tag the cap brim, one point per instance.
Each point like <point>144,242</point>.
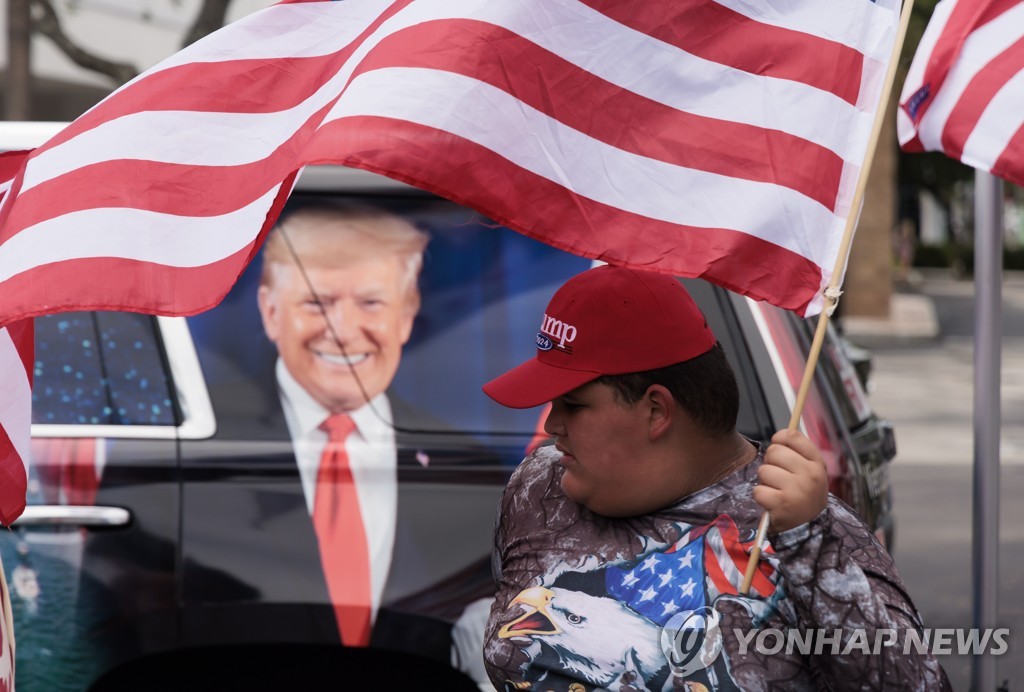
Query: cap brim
<point>534,383</point>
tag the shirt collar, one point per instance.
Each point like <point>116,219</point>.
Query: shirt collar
<point>373,420</point>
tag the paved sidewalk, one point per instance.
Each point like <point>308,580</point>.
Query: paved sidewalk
<point>923,382</point>
<point>928,393</point>
<point>911,319</point>
<point>914,320</point>
<point>923,375</point>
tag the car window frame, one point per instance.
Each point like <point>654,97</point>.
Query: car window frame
<point>186,384</point>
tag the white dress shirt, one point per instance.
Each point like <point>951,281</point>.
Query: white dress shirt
<point>372,456</point>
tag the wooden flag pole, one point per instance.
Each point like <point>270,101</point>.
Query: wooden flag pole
<point>832,292</point>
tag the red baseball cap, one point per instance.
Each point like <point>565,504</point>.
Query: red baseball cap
<point>606,321</point>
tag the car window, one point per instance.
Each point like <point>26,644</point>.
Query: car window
<point>100,368</point>
<point>483,290</point>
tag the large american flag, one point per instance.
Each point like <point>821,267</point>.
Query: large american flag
<point>714,138</point>
<point>964,93</point>
<point>702,138</point>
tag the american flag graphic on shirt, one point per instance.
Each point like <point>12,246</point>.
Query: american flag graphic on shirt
<point>705,563</point>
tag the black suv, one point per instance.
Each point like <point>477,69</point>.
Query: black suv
<point>167,543</point>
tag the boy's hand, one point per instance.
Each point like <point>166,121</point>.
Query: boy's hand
<point>794,482</point>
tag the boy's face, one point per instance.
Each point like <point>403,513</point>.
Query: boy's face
<point>602,440</point>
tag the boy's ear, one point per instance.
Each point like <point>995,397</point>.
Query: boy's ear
<point>662,410</point>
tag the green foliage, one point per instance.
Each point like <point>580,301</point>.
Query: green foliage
<point>960,258</point>
<point>933,256</point>
<point>1013,259</point>
<point>933,171</point>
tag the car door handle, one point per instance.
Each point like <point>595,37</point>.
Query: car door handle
<point>74,515</point>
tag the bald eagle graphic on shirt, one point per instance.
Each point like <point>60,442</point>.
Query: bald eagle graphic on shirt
<point>605,626</point>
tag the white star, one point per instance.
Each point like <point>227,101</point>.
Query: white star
<point>670,607</point>
<point>651,563</point>
<point>647,594</point>
<point>630,579</point>
<point>687,588</point>
<point>666,577</point>
<point>686,560</point>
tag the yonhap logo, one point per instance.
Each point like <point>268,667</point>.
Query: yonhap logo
<point>691,641</point>
<point>543,343</point>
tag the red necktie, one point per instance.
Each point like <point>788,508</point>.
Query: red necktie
<point>339,530</point>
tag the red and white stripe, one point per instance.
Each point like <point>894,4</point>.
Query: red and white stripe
<point>702,138</point>
<point>10,163</point>
<point>725,562</point>
<point>69,468</point>
<point>16,352</point>
<point>964,93</point>
<point>16,348</point>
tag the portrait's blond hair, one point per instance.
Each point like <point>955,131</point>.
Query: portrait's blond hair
<point>337,237</point>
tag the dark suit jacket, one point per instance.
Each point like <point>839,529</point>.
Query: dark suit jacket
<point>241,511</point>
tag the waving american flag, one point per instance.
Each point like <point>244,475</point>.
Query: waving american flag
<point>964,93</point>
<point>714,138</point>
<point>699,137</point>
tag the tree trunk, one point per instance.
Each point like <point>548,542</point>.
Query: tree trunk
<point>211,17</point>
<point>18,96</point>
<point>48,24</point>
<point>867,288</point>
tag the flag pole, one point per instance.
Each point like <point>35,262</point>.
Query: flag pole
<point>988,273</point>
<point>832,292</point>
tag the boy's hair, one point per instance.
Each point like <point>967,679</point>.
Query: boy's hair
<point>705,386</point>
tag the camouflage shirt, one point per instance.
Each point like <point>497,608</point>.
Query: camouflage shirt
<point>587,602</point>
